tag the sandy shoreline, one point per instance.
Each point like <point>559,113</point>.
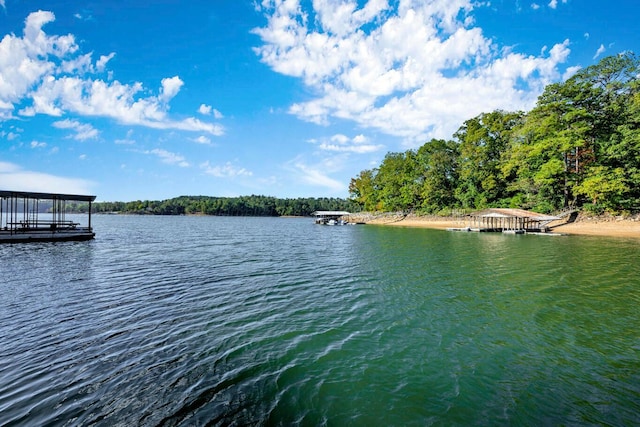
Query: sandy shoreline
<point>591,227</point>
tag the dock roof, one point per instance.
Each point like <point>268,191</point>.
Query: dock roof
<point>330,213</point>
<point>47,196</point>
<point>512,213</point>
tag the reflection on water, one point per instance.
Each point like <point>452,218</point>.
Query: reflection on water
<point>201,320</point>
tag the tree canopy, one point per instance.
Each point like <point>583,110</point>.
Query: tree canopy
<point>579,146</point>
<point>223,206</point>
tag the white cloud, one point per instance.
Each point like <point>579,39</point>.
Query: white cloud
<point>101,64</point>
<point>15,178</point>
<point>228,170</point>
<point>415,70</point>
<point>600,51</point>
<point>202,140</point>
<point>84,16</point>
<point>115,100</point>
<point>170,88</point>
<point>168,157</point>
<point>205,110</point>
<point>83,131</point>
<point>38,144</point>
<point>9,135</point>
<point>22,60</point>
<point>554,3</point>
<point>45,74</point>
<point>6,167</point>
<point>570,72</point>
<point>341,143</point>
<point>535,6</point>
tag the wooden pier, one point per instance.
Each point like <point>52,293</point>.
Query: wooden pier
<point>37,217</point>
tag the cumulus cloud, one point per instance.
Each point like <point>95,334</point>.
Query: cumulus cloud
<point>600,51</point>
<point>228,170</point>
<point>205,110</point>
<point>341,143</point>
<point>82,131</point>
<point>170,88</point>
<point>46,74</point>
<point>415,69</point>
<point>18,179</point>
<point>208,110</point>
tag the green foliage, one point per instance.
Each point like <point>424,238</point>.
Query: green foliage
<point>363,191</point>
<point>228,206</point>
<point>579,145</point>
<point>482,140</point>
<point>593,209</point>
<point>397,182</point>
<point>437,161</point>
<point>604,185</point>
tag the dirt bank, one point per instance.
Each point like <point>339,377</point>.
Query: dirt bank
<point>584,225</point>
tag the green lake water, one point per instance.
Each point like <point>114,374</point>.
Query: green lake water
<point>268,321</point>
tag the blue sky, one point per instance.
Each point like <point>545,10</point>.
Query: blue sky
<point>144,100</point>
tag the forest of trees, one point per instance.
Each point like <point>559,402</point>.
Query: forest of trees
<point>579,146</point>
<point>223,206</point>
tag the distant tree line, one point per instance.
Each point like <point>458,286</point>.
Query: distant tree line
<point>222,206</point>
<point>579,146</point>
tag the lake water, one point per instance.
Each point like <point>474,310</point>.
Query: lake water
<point>274,321</point>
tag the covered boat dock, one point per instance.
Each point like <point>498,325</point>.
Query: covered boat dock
<point>508,220</point>
<point>331,217</point>
<point>37,217</point>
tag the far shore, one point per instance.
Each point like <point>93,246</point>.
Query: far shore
<point>591,226</point>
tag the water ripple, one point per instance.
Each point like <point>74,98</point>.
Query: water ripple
<point>281,322</point>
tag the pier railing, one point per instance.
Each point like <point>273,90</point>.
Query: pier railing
<point>41,224</point>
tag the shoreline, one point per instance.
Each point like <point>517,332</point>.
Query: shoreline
<point>609,227</point>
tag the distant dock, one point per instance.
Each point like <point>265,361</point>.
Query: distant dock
<point>40,217</point>
<point>331,217</point>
